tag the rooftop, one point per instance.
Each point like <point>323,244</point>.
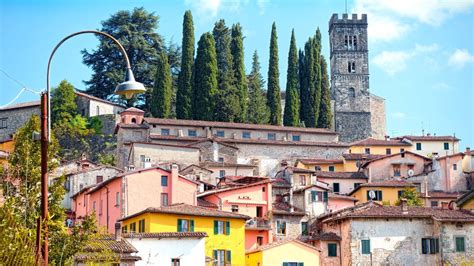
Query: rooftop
<point>94,250</point>
<point>379,142</point>
<point>21,105</point>
<point>320,161</point>
<point>465,198</point>
<point>245,182</point>
<point>284,208</point>
<point>341,175</point>
<point>361,156</point>
<point>386,183</point>
<point>429,138</point>
<point>185,209</point>
<point>166,235</point>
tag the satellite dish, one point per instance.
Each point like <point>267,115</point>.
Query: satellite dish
<point>371,194</point>
<point>411,172</point>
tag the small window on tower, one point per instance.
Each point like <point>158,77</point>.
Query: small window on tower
<point>351,67</point>
<point>355,42</point>
<point>345,42</point>
<point>352,93</point>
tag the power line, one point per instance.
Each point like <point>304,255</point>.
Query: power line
<point>24,88</point>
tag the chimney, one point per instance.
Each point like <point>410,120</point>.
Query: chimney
<point>174,183</point>
<point>387,137</point>
<point>428,134</point>
<point>468,151</point>
<point>404,206</point>
<point>118,231</point>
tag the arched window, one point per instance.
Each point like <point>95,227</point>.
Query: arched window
<point>98,110</point>
<point>134,121</point>
<point>352,93</point>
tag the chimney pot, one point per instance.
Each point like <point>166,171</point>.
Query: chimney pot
<point>118,231</point>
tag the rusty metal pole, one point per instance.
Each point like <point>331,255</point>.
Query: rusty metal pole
<point>44,176</point>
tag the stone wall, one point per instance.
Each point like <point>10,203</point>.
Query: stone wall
<point>448,231</point>
<point>211,151</point>
<point>16,118</point>
<point>124,137</point>
<point>378,117</point>
<point>293,226</point>
<point>353,125</point>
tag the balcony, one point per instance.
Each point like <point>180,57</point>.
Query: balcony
<point>258,224</point>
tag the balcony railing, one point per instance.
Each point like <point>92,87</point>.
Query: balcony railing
<point>258,224</point>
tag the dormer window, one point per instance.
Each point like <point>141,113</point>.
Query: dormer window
<point>134,121</point>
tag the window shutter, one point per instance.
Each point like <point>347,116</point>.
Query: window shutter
<point>191,225</point>
<point>216,229</point>
<point>381,197</point>
<point>300,263</point>
<point>215,254</point>
<point>368,197</point>
<point>424,246</point>
<point>432,246</point>
<point>228,256</point>
<point>314,196</point>
<point>437,244</point>
<point>285,263</point>
<point>180,228</point>
<point>227,228</point>
<point>325,196</point>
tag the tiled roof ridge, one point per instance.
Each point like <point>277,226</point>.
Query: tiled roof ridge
<point>166,235</point>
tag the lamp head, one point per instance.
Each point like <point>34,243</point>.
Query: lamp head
<point>129,87</point>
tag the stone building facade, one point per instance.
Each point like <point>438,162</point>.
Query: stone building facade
<point>15,116</point>
<point>357,113</point>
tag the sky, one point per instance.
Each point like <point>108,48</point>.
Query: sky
<point>421,52</point>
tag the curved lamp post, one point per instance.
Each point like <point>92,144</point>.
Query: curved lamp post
<point>128,88</point>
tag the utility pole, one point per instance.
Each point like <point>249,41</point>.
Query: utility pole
<point>44,178</point>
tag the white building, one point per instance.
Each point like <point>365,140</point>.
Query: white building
<point>169,248</point>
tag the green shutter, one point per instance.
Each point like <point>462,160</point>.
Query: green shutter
<point>215,254</point>
<point>365,246</point>
<point>325,196</point>
<point>313,196</point>
<point>228,256</point>
<point>180,227</point>
<point>460,244</point>
<point>368,197</point>
<point>285,263</point>
<point>300,263</point>
<point>191,225</point>
<point>332,250</point>
<point>381,197</point>
<point>216,229</point>
<point>437,244</point>
<point>227,228</point>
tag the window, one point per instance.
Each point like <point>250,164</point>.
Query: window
<point>259,240</point>
<point>98,110</point>
<point>271,136</point>
<point>293,263</point>
<point>93,205</point>
<point>429,245</point>
<point>367,150</point>
<point>99,179</point>
<point>3,123</point>
<point>418,146</point>
<point>316,196</point>
<point>259,211</point>
<point>185,225</point>
<point>124,229</point>
<point>388,151</point>
<point>356,185</point>
<point>296,138</point>
<point>221,173</point>
<point>304,228</point>
<point>263,189</point>
<point>192,133</point>
<point>302,180</point>
<point>117,199</point>
<point>460,243</point>
<point>400,193</point>
<point>134,120</point>
<point>335,187</point>
<point>378,195</point>
<point>235,208</point>
<point>317,168</point>
<point>164,181</point>
<point>351,67</point>
<point>434,204</point>
<point>332,250</point>
<point>365,244</point>
<point>133,228</point>
<point>141,226</point>
<point>455,167</point>
<point>165,132</point>
<point>352,93</point>
<point>331,168</point>
<point>396,170</point>
<point>222,257</point>
<point>164,199</point>
<point>246,135</point>
<point>221,227</point>
<point>175,262</point>
<point>281,227</point>
<point>446,146</point>
<point>220,159</point>
<point>220,133</point>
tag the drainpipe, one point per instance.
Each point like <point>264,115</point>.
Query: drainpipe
<point>107,204</point>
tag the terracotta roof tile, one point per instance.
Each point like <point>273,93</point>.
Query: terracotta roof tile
<point>204,203</point>
<point>233,186</point>
<point>281,183</point>
<point>379,142</point>
<point>88,96</point>
<point>21,105</point>
<point>325,236</point>
<point>342,197</point>
<point>429,138</point>
<point>166,235</point>
<point>185,209</point>
<point>341,175</point>
<point>133,109</point>
<point>283,208</point>
<point>465,197</point>
<point>109,242</point>
<point>320,161</point>
<point>441,194</point>
<point>384,183</point>
<point>361,156</point>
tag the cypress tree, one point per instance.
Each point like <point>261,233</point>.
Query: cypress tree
<point>325,112</point>
<point>273,91</point>
<point>227,106</point>
<point>301,88</point>
<point>292,106</point>
<point>205,79</point>
<point>308,86</point>
<point>185,92</point>
<point>162,89</point>
<point>238,66</point>
<point>258,112</point>
<point>316,96</point>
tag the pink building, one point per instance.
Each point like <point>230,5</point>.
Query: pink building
<point>131,192</point>
<point>337,202</point>
<point>250,196</point>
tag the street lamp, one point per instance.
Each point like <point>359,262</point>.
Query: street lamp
<point>128,88</point>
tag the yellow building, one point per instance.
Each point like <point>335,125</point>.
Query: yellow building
<point>388,191</point>
<point>329,165</point>
<point>376,146</point>
<point>466,201</point>
<point>286,252</point>
<point>226,230</point>
<point>6,147</point>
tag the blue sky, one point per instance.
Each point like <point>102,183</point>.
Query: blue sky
<point>420,52</point>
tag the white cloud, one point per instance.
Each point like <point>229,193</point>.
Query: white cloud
<point>211,8</point>
<point>393,62</point>
<point>386,17</point>
<point>261,5</point>
<point>460,57</point>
